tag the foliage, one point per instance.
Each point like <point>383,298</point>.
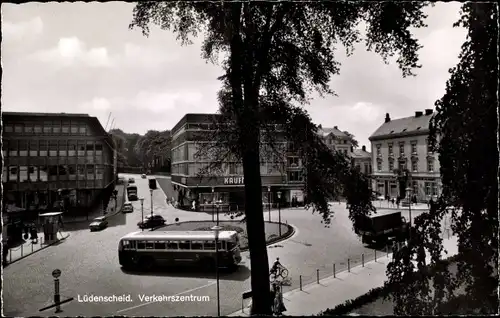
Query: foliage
<point>464,132</point>
<point>129,156</point>
<point>153,144</point>
<point>276,54</point>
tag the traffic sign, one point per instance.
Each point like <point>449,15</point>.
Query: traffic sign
<point>56,273</point>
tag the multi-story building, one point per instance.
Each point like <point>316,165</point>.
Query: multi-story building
<point>336,139</point>
<point>362,159</point>
<point>402,145</point>
<point>282,175</point>
<point>55,159</point>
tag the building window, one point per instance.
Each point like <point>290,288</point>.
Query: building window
<point>379,165</point>
<point>47,128</point>
<point>44,148</point>
<point>429,148</point>
<point>13,149</point>
<point>379,152</point>
<point>52,172</point>
<point>430,165</point>
<point>293,161</point>
<point>402,165</point>
<point>53,148</point>
<point>44,173</point>
<point>413,147</point>
<point>415,188</point>
<point>81,148</point>
<point>28,129</point>
<point>90,171</point>
<point>391,165</point>
<point>23,173</point>
<point>13,173</point>
<point>33,148</point>
<point>5,148</point>
<point>33,173</point>
<point>414,166</point>
<point>65,127</point>
<point>72,146</point>
<point>37,129</point>
<point>83,130</point>
<point>62,172</point>
<point>74,128</point>
<point>8,128</point>
<point>428,189</point>
<point>56,128</point>
<point>391,149</point>
<point>401,149</point>
<point>99,172</point>
<point>23,148</point>
<point>72,172</point>
<point>63,148</point>
<point>18,128</point>
<point>233,168</point>
<point>434,188</point>
<point>295,176</point>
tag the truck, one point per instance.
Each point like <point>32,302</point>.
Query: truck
<point>379,229</point>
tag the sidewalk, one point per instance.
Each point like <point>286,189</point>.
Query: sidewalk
<point>333,291</point>
<point>27,248</point>
<point>389,206</point>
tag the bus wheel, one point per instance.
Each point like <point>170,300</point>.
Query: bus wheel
<point>146,263</point>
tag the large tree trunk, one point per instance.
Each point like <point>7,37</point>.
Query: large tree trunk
<point>256,231</point>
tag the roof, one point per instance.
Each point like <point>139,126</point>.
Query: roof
<point>193,118</point>
<point>403,126</point>
<point>43,114</point>
<point>179,235</point>
<point>324,132</point>
<point>360,153</point>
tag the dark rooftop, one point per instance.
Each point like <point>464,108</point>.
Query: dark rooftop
<point>335,131</point>
<point>43,114</point>
<point>360,153</point>
<point>403,126</point>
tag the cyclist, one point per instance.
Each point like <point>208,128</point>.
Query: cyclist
<point>277,265</point>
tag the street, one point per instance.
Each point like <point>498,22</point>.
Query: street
<point>89,265</point>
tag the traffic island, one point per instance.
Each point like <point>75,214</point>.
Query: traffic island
<point>272,230</point>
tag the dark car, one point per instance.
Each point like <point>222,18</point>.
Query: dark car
<point>151,221</point>
<point>98,224</point>
<point>131,180</point>
<point>143,176</point>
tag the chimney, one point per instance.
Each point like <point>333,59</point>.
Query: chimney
<point>335,127</point>
<point>364,148</point>
<point>418,114</point>
<point>387,118</point>
<point>428,112</point>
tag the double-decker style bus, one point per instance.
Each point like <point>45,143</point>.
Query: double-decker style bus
<point>132,193</point>
<point>145,250</point>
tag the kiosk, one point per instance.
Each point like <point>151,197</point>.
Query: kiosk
<point>51,223</point>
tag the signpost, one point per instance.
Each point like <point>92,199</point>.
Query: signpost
<point>56,273</point>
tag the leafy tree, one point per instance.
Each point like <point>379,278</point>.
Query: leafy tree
<point>464,132</point>
<point>152,145</point>
<point>275,55</point>
<point>128,149</point>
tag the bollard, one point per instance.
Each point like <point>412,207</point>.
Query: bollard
<point>300,282</point>
<point>334,271</point>
<point>10,257</point>
<point>22,250</point>
<point>363,260</point>
<point>349,265</point>
<point>317,276</point>
<point>32,247</point>
<point>375,255</point>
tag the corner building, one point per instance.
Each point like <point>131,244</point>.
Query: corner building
<point>403,144</point>
<point>284,175</point>
<point>53,160</point>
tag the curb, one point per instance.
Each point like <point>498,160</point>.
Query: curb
<point>118,210</point>
<point>287,235</point>
<point>40,249</point>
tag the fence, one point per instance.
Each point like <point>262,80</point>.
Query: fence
<point>314,275</point>
<point>27,248</point>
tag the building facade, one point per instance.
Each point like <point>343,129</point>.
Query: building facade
<point>402,144</point>
<point>53,160</point>
<point>336,140</point>
<point>362,159</point>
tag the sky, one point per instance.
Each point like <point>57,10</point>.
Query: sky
<point>83,58</point>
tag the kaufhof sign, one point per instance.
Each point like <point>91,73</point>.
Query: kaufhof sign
<point>234,180</point>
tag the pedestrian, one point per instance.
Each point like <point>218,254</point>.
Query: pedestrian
<point>193,206</point>
<point>392,202</point>
<point>168,201</point>
<point>397,203</point>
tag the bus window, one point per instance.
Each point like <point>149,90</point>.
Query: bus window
<point>220,245</point>
<point>141,245</point>
<point>160,245</point>
<point>150,245</point>
<point>172,245</point>
<point>231,245</point>
<point>209,245</point>
<point>184,245</point>
<point>196,245</point>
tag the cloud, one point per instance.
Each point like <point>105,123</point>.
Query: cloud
<point>97,104</point>
<point>19,31</point>
<point>159,102</point>
<point>72,51</point>
<point>144,56</point>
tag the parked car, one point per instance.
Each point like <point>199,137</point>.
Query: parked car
<point>131,180</point>
<point>143,176</point>
<point>151,221</point>
<point>98,224</point>
<point>127,207</point>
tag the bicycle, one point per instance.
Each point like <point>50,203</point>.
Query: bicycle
<point>279,272</point>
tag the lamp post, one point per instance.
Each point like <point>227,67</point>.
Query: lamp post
<point>218,205</point>
<point>279,210</point>
<point>151,192</point>
<point>59,191</point>
<point>217,229</point>
<point>142,211</point>
<point>213,203</point>
<point>269,201</point>
<point>408,195</point>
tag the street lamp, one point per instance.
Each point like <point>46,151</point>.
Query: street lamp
<point>59,191</point>
<point>217,204</point>
<point>279,210</point>
<point>217,229</point>
<point>151,191</point>
<point>408,195</point>
<point>213,202</point>
<point>142,211</point>
<point>269,201</point>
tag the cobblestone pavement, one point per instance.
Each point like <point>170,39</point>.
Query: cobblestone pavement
<point>89,265</point>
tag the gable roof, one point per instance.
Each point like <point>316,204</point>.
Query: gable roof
<point>360,153</point>
<point>403,126</point>
<point>324,132</point>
